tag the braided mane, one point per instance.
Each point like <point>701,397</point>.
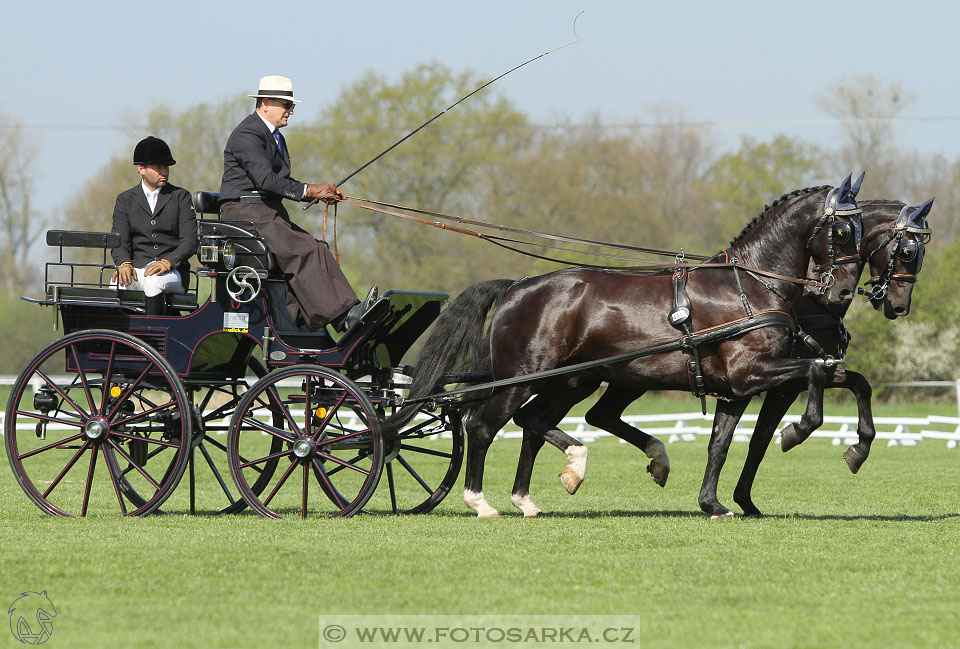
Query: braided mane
<point>769,208</point>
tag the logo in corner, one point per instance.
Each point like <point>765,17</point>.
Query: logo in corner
<point>31,618</point>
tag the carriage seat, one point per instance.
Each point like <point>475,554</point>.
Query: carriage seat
<point>206,202</point>
<point>72,289</point>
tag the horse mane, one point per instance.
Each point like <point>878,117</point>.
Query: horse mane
<point>777,203</point>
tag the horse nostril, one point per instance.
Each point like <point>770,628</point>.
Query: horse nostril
<point>846,295</point>
<point>900,311</point>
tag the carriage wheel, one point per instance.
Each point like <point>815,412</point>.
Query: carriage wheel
<point>90,394</point>
<point>423,462</point>
<point>331,449</point>
<point>207,468</point>
<point>215,405</point>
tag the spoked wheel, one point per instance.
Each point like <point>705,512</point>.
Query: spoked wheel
<point>423,462</point>
<point>211,486</point>
<point>90,395</point>
<point>331,450</point>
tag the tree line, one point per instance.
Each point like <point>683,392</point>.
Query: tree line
<point>663,186</point>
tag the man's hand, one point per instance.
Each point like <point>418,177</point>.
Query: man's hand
<point>124,275</point>
<point>158,268</point>
<point>325,192</point>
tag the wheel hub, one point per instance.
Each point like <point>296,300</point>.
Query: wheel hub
<point>304,447</point>
<point>96,428</point>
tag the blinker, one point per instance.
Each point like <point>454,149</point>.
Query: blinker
<point>841,232</point>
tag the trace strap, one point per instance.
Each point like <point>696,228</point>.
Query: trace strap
<point>722,332</point>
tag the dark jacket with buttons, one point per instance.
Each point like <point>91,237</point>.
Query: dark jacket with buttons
<point>170,232</point>
<point>252,162</point>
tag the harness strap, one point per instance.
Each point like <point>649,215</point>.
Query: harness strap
<point>726,331</point>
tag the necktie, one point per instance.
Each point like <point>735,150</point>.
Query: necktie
<point>279,140</point>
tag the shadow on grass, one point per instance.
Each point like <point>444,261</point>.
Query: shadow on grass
<point>882,518</point>
<point>614,513</point>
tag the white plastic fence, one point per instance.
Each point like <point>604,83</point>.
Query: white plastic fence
<point>686,426</point>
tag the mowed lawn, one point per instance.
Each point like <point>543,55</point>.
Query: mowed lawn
<point>871,560</point>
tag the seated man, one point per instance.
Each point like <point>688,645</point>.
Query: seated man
<point>157,228</point>
<point>256,179</point>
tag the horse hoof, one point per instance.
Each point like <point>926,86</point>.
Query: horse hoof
<point>570,480</point>
<point>721,517</point>
<point>753,515</point>
<point>789,437</point>
<point>659,471</point>
<point>493,514</point>
<point>526,505</point>
<point>854,459</point>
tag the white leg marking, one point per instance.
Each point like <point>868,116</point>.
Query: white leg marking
<point>479,504</point>
<point>524,504</point>
<point>576,471</point>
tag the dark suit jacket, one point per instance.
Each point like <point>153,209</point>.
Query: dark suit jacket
<point>169,233</point>
<point>252,161</point>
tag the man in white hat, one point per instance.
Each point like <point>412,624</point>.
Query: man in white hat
<point>256,179</point>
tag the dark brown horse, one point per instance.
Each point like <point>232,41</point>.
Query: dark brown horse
<point>893,241</point>
<point>579,315</point>
<point>893,245</point>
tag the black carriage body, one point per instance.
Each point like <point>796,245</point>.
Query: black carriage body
<point>263,398</point>
<point>216,340</point>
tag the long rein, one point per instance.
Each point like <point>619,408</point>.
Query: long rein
<point>511,244</point>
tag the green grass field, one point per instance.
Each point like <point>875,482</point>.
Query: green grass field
<point>871,560</point>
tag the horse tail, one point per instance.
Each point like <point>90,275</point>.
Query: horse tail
<point>456,344</point>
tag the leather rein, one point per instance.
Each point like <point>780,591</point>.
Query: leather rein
<point>510,244</point>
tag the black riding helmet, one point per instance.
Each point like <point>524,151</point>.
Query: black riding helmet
<point>153,151</point>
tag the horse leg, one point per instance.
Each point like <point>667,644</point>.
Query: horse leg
<point>725,420</point>
<point>520,497</point>
<point>539,419</point>
<point>482,427</point>
<point>606,414</point>
<point>812,418</point>
<point>857,454</point>
<point>775,406</point>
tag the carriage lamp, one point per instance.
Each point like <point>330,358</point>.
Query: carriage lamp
<point>115,391</point>
<point>45,400</point>
<point>229,255</point>
<point>321,412</point>
<point>209,254</point>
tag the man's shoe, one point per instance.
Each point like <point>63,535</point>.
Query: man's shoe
<point>357,311</point>
<point>372,296</point>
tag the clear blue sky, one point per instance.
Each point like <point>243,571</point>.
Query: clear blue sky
<point>70,71</point>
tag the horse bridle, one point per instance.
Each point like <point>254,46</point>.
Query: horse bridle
<point>909,251</point>
<point>840,233</point>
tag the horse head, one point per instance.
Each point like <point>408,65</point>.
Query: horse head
<point>834,245</point>
<point>895,255</point>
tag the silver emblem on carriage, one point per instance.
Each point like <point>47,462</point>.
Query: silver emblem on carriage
<point>679,315</point>
<point>277,356</point>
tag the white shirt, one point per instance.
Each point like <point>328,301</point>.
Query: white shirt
<point>151,196</point>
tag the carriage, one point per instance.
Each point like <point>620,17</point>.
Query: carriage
<point>222,388</point>
<point>290,422</point>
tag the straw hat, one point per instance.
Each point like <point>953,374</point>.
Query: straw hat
<point>276,87</point>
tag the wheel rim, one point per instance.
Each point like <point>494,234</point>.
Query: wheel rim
<point>331,450</point>
<point>93,420</point>
<point>425,457</point>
